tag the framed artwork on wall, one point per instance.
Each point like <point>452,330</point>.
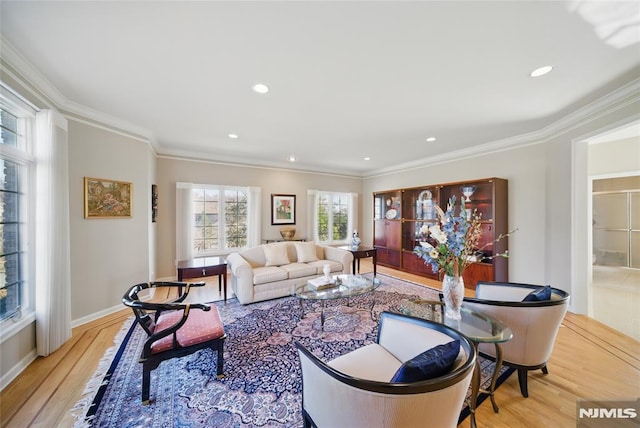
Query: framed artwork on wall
<point>105,198</point>
<point>283,209</point>
<point>154,202</point>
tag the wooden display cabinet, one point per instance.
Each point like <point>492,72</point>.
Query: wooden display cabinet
<point>396,234</point>
<point>387,236</point>
<point>419,208</point>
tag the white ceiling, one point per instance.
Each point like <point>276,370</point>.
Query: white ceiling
<point>347,79</point>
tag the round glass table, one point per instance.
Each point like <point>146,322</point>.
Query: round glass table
<point>341,287</point>
<point>478,327</point>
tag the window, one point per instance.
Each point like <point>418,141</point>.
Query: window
<point>334,217</point>
<point>219,218</point>
<point>15,166</point>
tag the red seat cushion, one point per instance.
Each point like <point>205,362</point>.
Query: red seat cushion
<point>201,326</point>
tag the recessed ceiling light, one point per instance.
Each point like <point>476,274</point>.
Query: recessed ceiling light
<point>260,88</point>
<point>430,139</point>
<point>233,136</point>
<point>367,158</point>
<point>541,71</point>
<point>292,158</point>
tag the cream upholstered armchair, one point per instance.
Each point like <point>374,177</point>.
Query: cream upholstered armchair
<point>356,389</point>
<point>534,322</point>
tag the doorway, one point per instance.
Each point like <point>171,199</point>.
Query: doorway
<point>615,283</point>
<point>606,250</point>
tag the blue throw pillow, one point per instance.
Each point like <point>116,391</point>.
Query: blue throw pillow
<point>540,293</point>
<point>432,363</point>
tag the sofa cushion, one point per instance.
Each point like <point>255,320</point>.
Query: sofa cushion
<point>276,254</point>
<point>432,363</point>
<point>298,270</point>
<point>266,274</point>
<point>306,252</point>
<point>319,265</point>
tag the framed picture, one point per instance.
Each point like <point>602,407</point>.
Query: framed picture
<point>154,202</point>
<point>107,198</point>
<point>283,209</point>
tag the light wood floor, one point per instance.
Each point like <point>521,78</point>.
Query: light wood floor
<point>590,361</point>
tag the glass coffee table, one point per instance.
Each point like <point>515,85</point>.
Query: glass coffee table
<point>342,287</point>
<point>478,327</point>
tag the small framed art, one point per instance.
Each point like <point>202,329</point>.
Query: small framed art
<point>283,209</point>
<point>154,202</point>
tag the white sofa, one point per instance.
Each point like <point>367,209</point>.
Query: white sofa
<point>273,270</point>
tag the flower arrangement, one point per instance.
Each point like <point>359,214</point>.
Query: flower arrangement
<point>455,240</point>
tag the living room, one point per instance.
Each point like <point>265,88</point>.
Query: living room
<point>547,167</point>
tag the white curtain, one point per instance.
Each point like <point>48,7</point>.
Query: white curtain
<point>254,213</point>
<point>52,238</point>
<point>184,221</point>
<point>353,214</point>
<point>312,215</point>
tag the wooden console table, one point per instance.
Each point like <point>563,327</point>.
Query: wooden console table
<point>361,252</point>
<point>204,266</point>
<point>270,240</point>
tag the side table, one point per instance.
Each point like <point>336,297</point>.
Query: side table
<point>204,266</point>
<point>361,252</point>
<point>479,328</point>
<point>270,240</point>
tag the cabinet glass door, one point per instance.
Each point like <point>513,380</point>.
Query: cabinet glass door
<point>478,197</point>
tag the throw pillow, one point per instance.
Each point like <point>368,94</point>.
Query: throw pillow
<point>276,254</point>
<point>540,293</point>
<point>306,252</point>
<point>432,363</point>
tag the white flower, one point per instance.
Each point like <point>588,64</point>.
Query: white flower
<point>438,234</point>
<point>424,229</point>
<point>434,254</point>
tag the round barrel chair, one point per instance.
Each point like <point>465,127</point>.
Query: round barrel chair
<point>534,314</point>
<point>368,387</point>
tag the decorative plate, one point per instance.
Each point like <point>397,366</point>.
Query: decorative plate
<point>391,214</point>
<point>424,195</point>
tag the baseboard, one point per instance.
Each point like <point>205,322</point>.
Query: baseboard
<point>94,316</point>
<point>9,376</point>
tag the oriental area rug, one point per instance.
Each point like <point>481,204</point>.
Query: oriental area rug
<point>262,384</point>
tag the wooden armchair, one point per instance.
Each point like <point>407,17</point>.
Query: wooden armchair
<point>175,329</point>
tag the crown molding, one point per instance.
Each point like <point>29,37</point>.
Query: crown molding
<point>206,158</point>
<point>39,86</point>
<point>615,100</point>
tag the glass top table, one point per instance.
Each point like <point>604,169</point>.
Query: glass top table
<point>478,327</point>
<point>341,287</point>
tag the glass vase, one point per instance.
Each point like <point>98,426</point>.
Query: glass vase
<point>453,292</point>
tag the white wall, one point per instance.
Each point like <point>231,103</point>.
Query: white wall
<point>269,180</point>
<point>614,158</point>
<point>524,168</point>
<point>107,255</point>
<point>548,187</point>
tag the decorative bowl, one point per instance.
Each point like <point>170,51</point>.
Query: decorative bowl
<point>287,233</point>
